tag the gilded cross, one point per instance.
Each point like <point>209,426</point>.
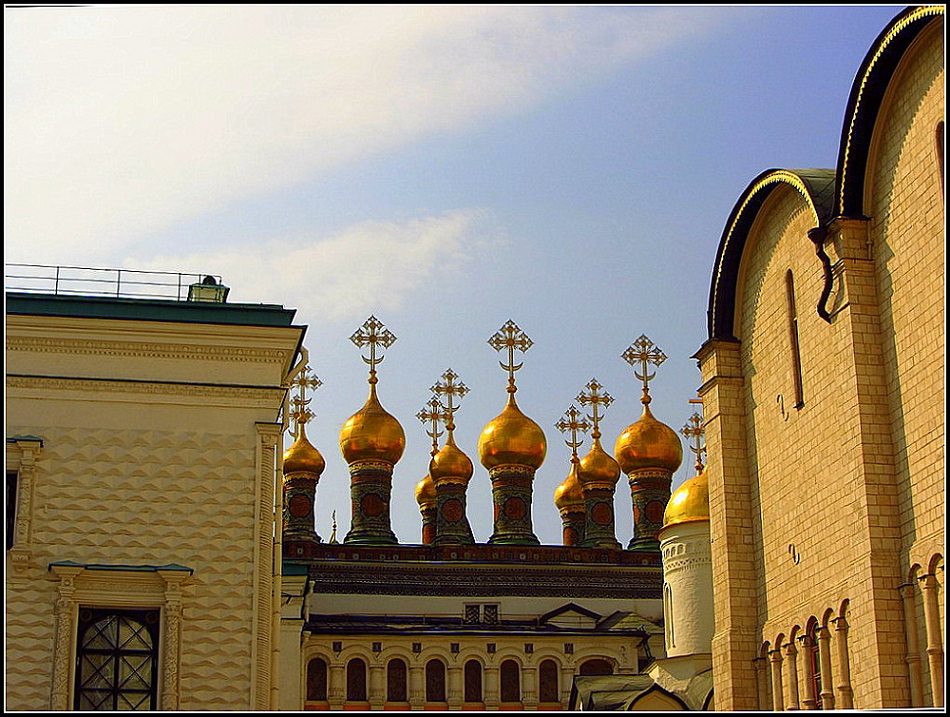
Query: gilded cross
<point>693,432</point>
<point>595,399</point>
<point>510,337</point>
<point>373,334</point>
<point>301,413</point>
<point>449,388</point>
<point>644,352</point>
<point>569,423</point>
<point>433,414</point>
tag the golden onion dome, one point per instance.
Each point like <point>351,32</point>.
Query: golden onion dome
<point>372,434</point>
<point>451,462</point>
<point>568,494</point>
<point>598,467</point>
<point>512,439</point>
<point>648,443</point>
<point>302,457</point>
<point>689,503</point>
<point>425,492</point>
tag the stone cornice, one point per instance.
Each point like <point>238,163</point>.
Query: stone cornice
<point>454,581</point>
<point>256,396</point>
<point>487,579</point>
<point>126,349</point>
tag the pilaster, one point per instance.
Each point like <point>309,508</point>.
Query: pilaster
<point>735,582</point>
<point>867,442</point>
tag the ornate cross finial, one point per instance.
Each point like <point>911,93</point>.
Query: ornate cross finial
<point>694,433</point>
<point>449,388</point>
<point>570,424</point>
<point>595,399</point>
<point>433,414</point>
<point>510,337</point>
<point>644,352</point>
<point>374,334</point>
<point>333,540</point>
<point>301,413</point>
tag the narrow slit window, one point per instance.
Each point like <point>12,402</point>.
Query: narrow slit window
<point>435,681</point>
<point>396,681</point>
<point>473,682</point>
<point>317,680</point>
<point>940,154</point>
<point>356,680</point>
<point>549,678</point>
<point>793,339</point>
<point>510,682</point>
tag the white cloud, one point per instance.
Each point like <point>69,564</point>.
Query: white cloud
<point>125,120</point>
<point>368,267</point>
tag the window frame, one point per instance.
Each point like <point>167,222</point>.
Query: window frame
<point>116,653</point>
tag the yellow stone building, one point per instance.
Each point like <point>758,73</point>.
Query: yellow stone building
<point>160,545</point>
<point>161,551</point>
<point>823,394</point>
<point>142,437</point>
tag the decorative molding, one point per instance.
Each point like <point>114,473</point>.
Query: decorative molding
<point>79,585</point>
<point>140,349</point>
<point>612,581</point>
<point>257,397</point>
<point>22,455</point>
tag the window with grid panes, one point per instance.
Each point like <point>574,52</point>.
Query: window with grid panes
<point>116,659</point>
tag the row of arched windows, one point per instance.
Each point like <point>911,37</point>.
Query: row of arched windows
<point>807,668</point>
<point>397,673</point>
<point>922,595</point>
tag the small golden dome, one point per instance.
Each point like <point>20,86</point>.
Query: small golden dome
<point>425,492</point>
<point>302,457</point>
<point>512,438</point>
<point>569,494</point>
<point>451,462</point>
<point>598,467</point>
<point>689,503</point>
<point>372,434</point>
<point>648,443</point>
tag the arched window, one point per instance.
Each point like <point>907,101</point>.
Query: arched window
<point>396,672</point>
<point>597,666</point>
<point>510,681</point>
<point>794,351</point>
<point>435,681</point>
<point>356,680</point>
<point>473,681</point>
<point>549,678</point>
<point>117,660</point>
<point>812,664</point>
<point>668,616</point>
<point>317,680</point>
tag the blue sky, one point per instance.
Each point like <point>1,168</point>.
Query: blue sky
<point>444,168</point>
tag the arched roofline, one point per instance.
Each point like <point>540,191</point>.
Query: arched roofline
<point>816,188</point>
<point>864,103</point>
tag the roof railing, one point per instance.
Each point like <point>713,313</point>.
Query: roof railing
<point>115,283</point>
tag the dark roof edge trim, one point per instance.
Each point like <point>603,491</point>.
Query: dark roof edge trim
<point>864,102</point>
<point>722,291</point>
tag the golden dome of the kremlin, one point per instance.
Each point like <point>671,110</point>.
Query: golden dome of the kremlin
<point>569,492</point>
<point>648,443</point>
<point>425,491</point>
<point>451,462</point>
<point>512,439</point>
<point>689,503</point>
<point>372,434</point>
<point>598,467</point>
<point>303,457</point>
